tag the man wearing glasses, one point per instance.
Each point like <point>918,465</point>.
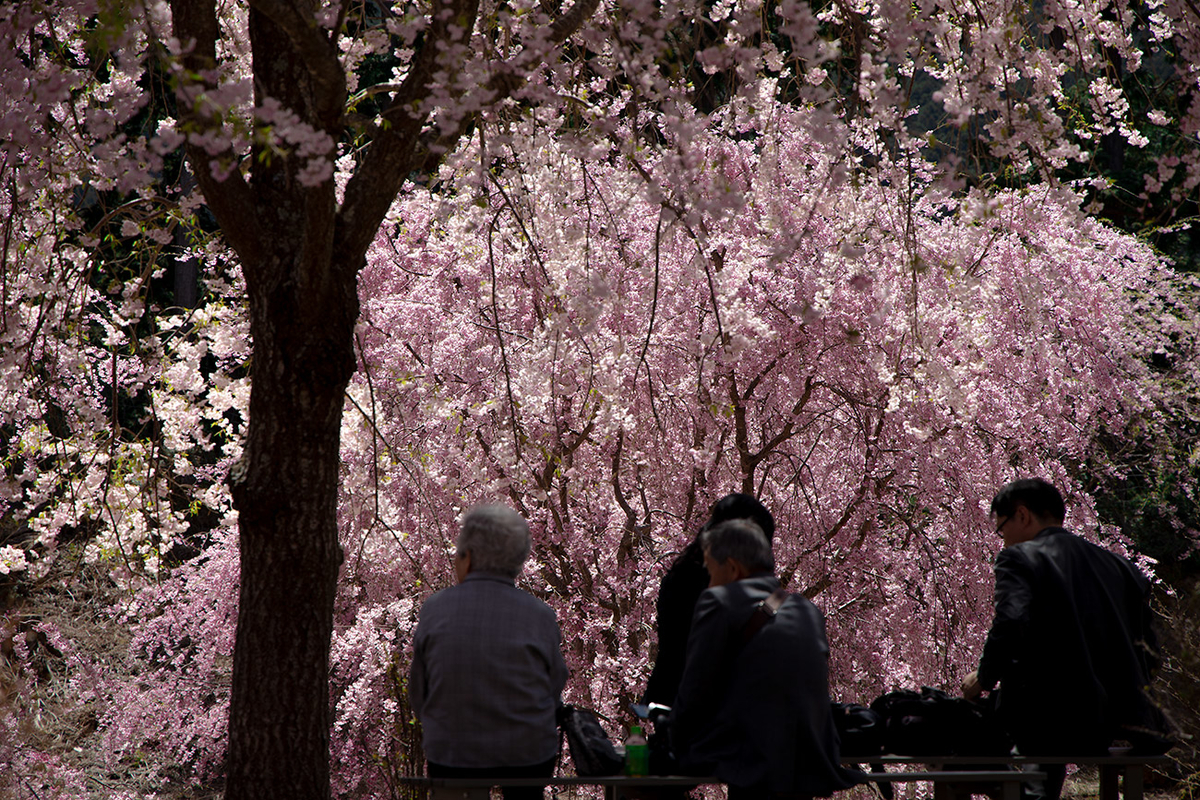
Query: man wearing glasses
<point>1071,644</point>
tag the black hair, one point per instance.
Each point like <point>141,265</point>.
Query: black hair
<point>1038,495</point>
<point>743,506</point>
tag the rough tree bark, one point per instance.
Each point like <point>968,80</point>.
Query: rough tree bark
<point>303,305</point>
<point>301,254</point>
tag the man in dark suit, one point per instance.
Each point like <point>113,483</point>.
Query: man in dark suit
<point>1071,644</point>
<point>753,704</point>
<point>680,589</point>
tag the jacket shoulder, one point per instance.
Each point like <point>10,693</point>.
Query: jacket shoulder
<point>1062,547</point>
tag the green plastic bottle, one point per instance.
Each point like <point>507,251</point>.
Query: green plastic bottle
<point>637,753</point>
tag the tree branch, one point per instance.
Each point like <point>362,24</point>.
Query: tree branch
<point>573,20</point>
<point>231,201</point>
<point>318,52</point>
<point>401,148</point>
<point>789,429</point>
<point>392,154</point>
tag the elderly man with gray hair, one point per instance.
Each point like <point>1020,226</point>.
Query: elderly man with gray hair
<point>753,704</point>
<point>487,668</point>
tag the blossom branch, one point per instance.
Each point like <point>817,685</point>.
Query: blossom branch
<point>196,27</point>
<point>401,147</point>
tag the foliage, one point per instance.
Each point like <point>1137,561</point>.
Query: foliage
<point>29,763</point>
<point>1145,474</point>
<point>50,639</point>
<point>1151,190</point>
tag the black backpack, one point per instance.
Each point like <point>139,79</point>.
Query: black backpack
<point>591,749</point>
<point>860,730</point>
<point>932,722</point>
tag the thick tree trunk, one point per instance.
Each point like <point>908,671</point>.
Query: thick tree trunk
<point>285,490</point>
<point>303,307</point>
<point>301,256</point>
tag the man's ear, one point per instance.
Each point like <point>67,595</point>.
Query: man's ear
<point>1023,516</point>
<point>462,564</point>
<point>740,572</point>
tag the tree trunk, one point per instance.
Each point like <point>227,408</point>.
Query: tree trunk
<point>303,307</point>
<point>300,256</point>
<point>286,497</point>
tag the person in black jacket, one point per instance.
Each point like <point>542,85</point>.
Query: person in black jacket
<point>1071,644</point>
<point>753,706</point>
<point>681,587</point>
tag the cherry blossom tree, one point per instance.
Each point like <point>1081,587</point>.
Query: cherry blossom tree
<point>302,124</point>
<point>873,369</point>
<point>549,333</point>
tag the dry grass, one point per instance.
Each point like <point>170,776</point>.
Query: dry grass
<point>48,691</point>
<point>1178,682</point>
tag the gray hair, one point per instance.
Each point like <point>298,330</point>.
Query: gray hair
<point>497,537</point>
<point>742,540</point>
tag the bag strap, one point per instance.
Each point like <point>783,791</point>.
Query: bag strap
<point>763,613</point>
<point>561,713</point>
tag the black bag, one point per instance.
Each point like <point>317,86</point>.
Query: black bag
<point>860,730</point>
<point>933,723</point>
<point>591,749</point>
<point>662,760</point>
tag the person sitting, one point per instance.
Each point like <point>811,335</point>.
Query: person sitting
<point>1071,645</point>
<point>487,669</point>
<point>681,586</point>
<point>753,703</point>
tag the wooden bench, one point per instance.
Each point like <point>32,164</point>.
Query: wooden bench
<point>951,777</point>
<point>1111,769</point>
<point>620,787</point>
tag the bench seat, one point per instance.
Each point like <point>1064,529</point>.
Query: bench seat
<point>948,782</point>
<point>620,787</point>
<point>1111,767</point>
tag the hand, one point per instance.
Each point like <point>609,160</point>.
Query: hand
<point>971,687</point>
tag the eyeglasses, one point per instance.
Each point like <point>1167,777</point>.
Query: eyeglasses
<point>1000,526</point>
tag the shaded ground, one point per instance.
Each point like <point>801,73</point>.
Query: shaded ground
<point>1085,785</point>
<point>1178,680</point>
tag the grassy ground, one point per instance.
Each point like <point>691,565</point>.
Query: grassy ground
<point>1085,785</point>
